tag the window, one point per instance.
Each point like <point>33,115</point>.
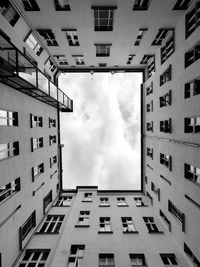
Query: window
<point>191,256</point>
<point>53,160</point>
<point>150,198</point>
<point>156,190</point>
<point>121,202</point>
<point>192,173</point>
<point>141,5</point>
<point>8,118</point>
<point>30,5</point>
<point>83,219</point>
<point>52,139</point>
<point>46,201</point>
<point>76,256</point>
<point>151,226</point>
<point>130,58</point>
<point>166,221</point>
<point>50,65</point>
<point>146,58</point>
<point>169,259</point>
<point>166,76</point>
<point>150,152</point>
<point>72,37</point>
<point>192,88</point>
<point>166,126</point>
<point>149,106</point>
<point>106,260</point>
<point>192,55</point>
<point>26,228</point>
<point>169,47</point>
<point>137,259</point>
<point>78,59</point>
<point>9,150</point>
<point>177,214</point>
<point>166,160</point>
<point>64,201</point>
<point>52,123</point>
<point>192,125</point>
<point>62,5</point>
<point>140,35</point>
<point>161,35</point>
<point>87,197</point>
<point>8,12</point>
<point>34,257</point>
<point>146,180</point>
<point>128,226</point>
<point>37,170</point>
<point>102,65</point>
<point>52,224</point>
<point>181,5</point>
<point>151,67</point>
<point>192,19</point>
<point>103,17</point>
<point>36,143</point>
<point>104,202</point>
<point>34,45</point>
<point>9,190</point>
<point>139,202</point>
<point>36,121</point>
<point>61,59</point>
<point>102,50</point>
<point>105,225</point>
<point>166,99</point>
<point>149,89</point>
<point>150,126</point>
<point>49,36</point>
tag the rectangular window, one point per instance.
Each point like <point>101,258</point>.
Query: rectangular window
<point>50,65</point>
<point>36,143</point>
<point>192,88</point>
<point>139,202</point>
<point>84,218</point>
<point>149,106</point>
<point>150,152</point>
<point>140,5</point>
<point>128,226</point>
<point>62,5</point>
<point>151,226</point>
<point>27,227</point>
<point>34,257</point>
<point>168,48</point>
<point>166,126</point>
<point>192,125</point>
<point>36,121</point>
<point>76,256</point>
<point>52,224</point>
<point>49,36</point>
<point>192,173</point>
<point>8,12</point>
<point>103,17</point>
<point>169,259</point>
<point>166,221</point>
<point>61,59</point>
<point>191,256</point>
<point>102,65</point>
<point>156,190</point>
<point>46,201</point>
<point>146,58</point>
<point>52,123</point>
<point>104,202</point>
<point>121,202</point>
<point>52,139</point>
<point>181,5</point>
<point>192,55</point>
<point>64,201</point>
<point>37,170</point>
<point>151,67</point>
<point>102,50</point>
<point>105,225</point>
<point>149,89</point>
<point>9,150</point>
<point>166,160</point>
<point>177,214</point>
<point>140,35</point>
<point>34,45</point>
<point>72,37</point>
<point>53,160</point>
<point>166,76</point>
<point>9,189</point>
<point>87,197</point>
<point>137,259</point>
<point>192,19</point>
<point>8,118</point>
<point>30,5</point>
<point>106,260</point>
<point>150,198</point>
<point>160,36</point>
<point>78,59</point>
<point>130,58</point>
<point>166,99</point>
<point>150,126</point>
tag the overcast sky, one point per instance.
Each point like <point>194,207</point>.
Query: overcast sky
<point>102,136</point>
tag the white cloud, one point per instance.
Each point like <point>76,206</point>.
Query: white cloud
<point>102,135</point>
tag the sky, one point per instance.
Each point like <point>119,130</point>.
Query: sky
<point>102,136</point>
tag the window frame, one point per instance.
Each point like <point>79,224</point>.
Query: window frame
<point>106,262</point>
<point>9,150</point>
<point>105,225</point>
<point>52,224</point>
<point>103,50</point>
<point>128,225</point>
<point>10,189</point>
<point>39,143</point>
<point>177,214</point>
<point>99,20</point>
<point>32,5</point>
<point>8,118</point>
<point>138,257</point>
<point>41,259</point>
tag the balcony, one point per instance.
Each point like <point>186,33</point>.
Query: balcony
<point>17,71</point>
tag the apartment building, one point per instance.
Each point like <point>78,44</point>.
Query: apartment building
<point>41,223</point>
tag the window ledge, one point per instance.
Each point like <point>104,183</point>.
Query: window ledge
<point>152,232</point>
<point>108,232</point>
<point>86,200</point>
<point>104,206</point>
<point>121,206</point>
<point>143,206</point>
<point>82,226</point>
<point>133,232</point>
<point>46,233</point>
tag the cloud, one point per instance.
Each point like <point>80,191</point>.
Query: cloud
<point>102,135</point>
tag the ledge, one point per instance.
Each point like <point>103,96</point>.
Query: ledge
<point>104,206</point>
<point>46,233</point>
<point>133,232</point>
<point>81,226</point>
<point>100,232</point>
<point>122,206</point>
<point>152,232</point>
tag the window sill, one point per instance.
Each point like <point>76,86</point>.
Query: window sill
<point>121,206</point>
<point>133,232</point>
<point>108,232</point>
<point>104,206</point>
<point>46,233</point>
<point>82,226</point>
<point>86,200</point>
<point>152,232</point>
<point>143,206</point>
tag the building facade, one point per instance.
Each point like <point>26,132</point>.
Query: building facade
<point>41,224</point>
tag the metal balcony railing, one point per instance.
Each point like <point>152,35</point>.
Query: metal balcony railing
<point>17,71</point>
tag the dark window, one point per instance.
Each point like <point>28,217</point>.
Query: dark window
<point>106,260</point>
<point>146,58</point>
<point>181,5</point>
<point>62,5</point>
<point>141,5</point>
<point>192,173</point>
<point>149,106</point>
<point>192,19</point>
<point>166,160</point>
<point>137,259</point>
<point>102,50</point>
<point>105,225</point>
<point>121,202</point>
<point>36,143</point>
<point>8,12</point>
<point>50,65</point>
<point>61,59</point>
<point>52,123</point>
<point>166,76</point>
<point>102,65</point>
<point>166,126</point>
<point>87,197</point>
<point>9,189</point>
<point>150,198</point>
<point>78,59</point>
<point>35,121</point>
<point>130,58</point>
<point>8,118</point>
<point>64,201</point>
<point>32,42</point>
<point>160,37</point>
<point>104,202</point>
<point>146,180</point>
<point>128,226</point>
<point>30,5</point>
<point>140,35</point>
<point>191,256</point>
<point>192,55</point>
<point>151,226</point>
<point>52,224</point>
<point>52,139</point>
<point>46,201</point>
<point>168,48</point>
<point>169,259</point>
<point>150,126</point>
<point>49,36</point>
<point>192,88</point>
<point>139,202</point>
<point>192,125</point>
<point>53,160</point>
<point>150,152</point>
<point>9,150</point>
<point>151,67</point>
<point>34,257</point>
<point>37,170</point>
<point>166,221</point>
<point>177,214</point>
<point>156,190</point>
<point>103,17</point>
<point>166,99</point>
<point>76,255</point>
<point>72,37</point>
<point>149,89</point>
<point>83,219</point>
